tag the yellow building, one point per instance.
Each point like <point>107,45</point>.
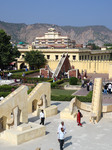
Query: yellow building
<point>91,60</point>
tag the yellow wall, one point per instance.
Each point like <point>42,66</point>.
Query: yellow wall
<point>98,66</point>
<point>90,66</point>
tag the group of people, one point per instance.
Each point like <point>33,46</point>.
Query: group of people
<point>4,75</point>
<point>61,128</point>
<point>107,89</point>
<point>89,85</point>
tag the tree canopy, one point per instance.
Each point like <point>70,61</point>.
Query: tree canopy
<point>108,44</point>
<point>93,46</point>
<point>8,53</point>
<point>35,59</point>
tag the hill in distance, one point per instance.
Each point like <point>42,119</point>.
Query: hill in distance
<point>27,33</point>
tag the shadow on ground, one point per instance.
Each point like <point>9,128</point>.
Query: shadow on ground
<point>83,122</point>
<point>47,123</point>
<point>57,103</point>
<point>33,119</point>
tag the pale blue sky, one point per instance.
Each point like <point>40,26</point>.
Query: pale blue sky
<point>59,12</point>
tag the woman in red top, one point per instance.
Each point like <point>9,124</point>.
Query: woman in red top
<point>79,116</point>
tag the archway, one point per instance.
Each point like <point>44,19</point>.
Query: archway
<point>34,105</point>
<point>3,123</point>
<point>22,66</point>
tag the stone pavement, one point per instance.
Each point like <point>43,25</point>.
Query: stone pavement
<point>107,99</point>
<point>104,76</point>
<point>81,92</point>
<point>2,82</point>
<point>89,137</point>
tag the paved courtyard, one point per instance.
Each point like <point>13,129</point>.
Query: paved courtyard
<point>89,137</point>
<point>2,82</point>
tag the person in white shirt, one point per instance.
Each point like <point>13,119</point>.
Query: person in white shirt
<point>9,75</point>
<point>59,128</point>
<point>42,117</point>
<point>109,88</point>
<point>61,138</point>
<point>1,98</point>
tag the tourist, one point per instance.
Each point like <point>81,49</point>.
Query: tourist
<point>88,86</point>
<point>109,88</point>
<point>42,117</point>
<point>23,75</point>
<point>1,98</point>
<point>61,138</point>
<point>82,83</point>
<point>54,79</point>
<point>105,89</point>
<point>59,128</point>
<point>79,116</point>
<point>9,75</point>
<point>26,69</point>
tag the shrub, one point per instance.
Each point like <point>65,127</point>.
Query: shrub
<point>4,94</point>
<point>73,81</point>
<point>87,98</point>
<point>29,90</point>
<point>29,79</point>
<point>21,72</point>
<point>14,71</point>
<point>57,83</point>
<point>32,71</point>
<point>7,88</point>
<point>60,81</point>
<point>54,85</point>
<point>51,80</point>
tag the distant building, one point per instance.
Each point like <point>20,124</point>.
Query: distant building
<point>53,46</point>
<point>22,45</point>
<point>79,46</point>
<point>53,39</point>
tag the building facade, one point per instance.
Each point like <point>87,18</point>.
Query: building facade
<point>53,39</point>
<point>92,60</point>
<point>53,46</point>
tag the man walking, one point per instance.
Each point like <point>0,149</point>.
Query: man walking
<point>59,128</point>
<point>61,138</point>
<point>42,117</point>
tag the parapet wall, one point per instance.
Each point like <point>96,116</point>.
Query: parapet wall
<point>13,100</point>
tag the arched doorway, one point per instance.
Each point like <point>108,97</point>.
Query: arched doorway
<point>34,105</point>
<point>22,66</point>
<point>3,123</point>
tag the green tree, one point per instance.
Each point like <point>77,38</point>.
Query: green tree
<point>93,46</point>
<point>73,81</point>
<point>35,59</point>
<point>108,44</point>
<point>8,53</point>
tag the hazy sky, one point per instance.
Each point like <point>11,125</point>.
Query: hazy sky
<point>59,12</point>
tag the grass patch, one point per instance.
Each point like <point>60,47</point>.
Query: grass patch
<point>61,92</point>
<point>87,98</point>
<point>61,97</point>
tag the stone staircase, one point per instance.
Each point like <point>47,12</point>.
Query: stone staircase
<point>55,74</point>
